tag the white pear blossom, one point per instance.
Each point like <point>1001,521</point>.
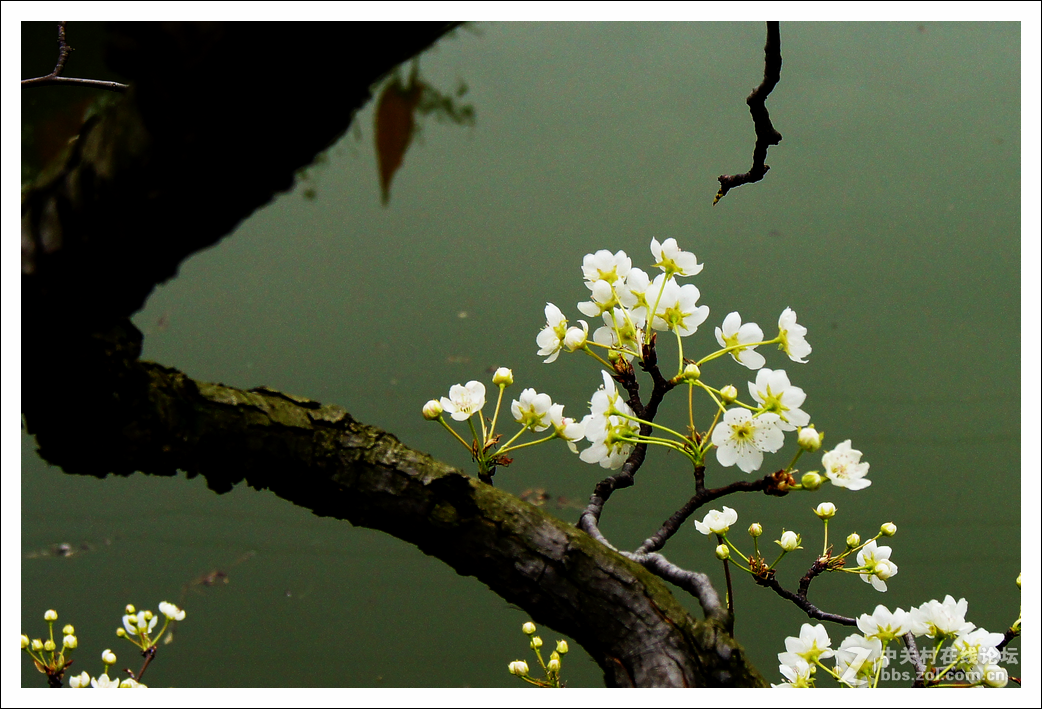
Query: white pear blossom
<point>799,674</point>
<point>672,260</point>
<point>532,410</point>
<point>80,681</point>
<point>734,333</point>
<point>605,266</point>
<point>879,568</point>
<point>132,684</point>
<point>678,308</point>
<point>464,401</point>
<point>792,337</point>
<point>630,326</point>
<point>858,660</point>
<point>603,299</point>
<point>171,611</point>
<point>139,623</point>
<point>606,430</point>
<point>883,624</point>
<point>717,521</point>
<point>551,338</point>
<point>568,429</point>
<point>519,668</point>
<point>790,541</point>
<point>743,439</point>
<point>936,619</point>
<point>777,396</point>
<point>976,649</point>
<point>844,468</point>
<point>812,644</point>
<point>633,293</point>
<point>575,337</point>
<point>103,682</point>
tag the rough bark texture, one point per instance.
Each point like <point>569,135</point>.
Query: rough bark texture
<point>217,120</point>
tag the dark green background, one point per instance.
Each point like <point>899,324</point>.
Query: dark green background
<point>889,222</point>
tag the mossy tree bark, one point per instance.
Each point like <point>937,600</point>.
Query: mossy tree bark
<point>216,122</point>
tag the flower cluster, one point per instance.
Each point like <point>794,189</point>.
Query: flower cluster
<point>551,668</point>
<point>970,660</point>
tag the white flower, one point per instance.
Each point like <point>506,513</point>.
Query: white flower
<point>70,642</point>
<point>575,337</point>
<point>132,684</point>
<point>139,623</point>
<point>633,293</point>
<point>740,438</point>
<point>797,674</point>
<point>777,396</point>
<point>735,333</point>
<point>606,430</point>
<point>790,541</point>
<point>80,681</point>
<point>977,648</point>
<point>792,337</point>
<point>568,429</point>
<point>630,325</point>
<point>602,299</point>
<point>940,620</point>
<point>858,658</point>
<point>717,522</point>
<point>672,260</point>
<point>551,337</point>
<point>103,682</point>
<point>812,644</point>
<point>678,308</point>
<point>825,510</point>
<point>879,568</point>
<point>531,410</point>
<point>464,401</point>
<point>519,668</point>
<point>108,657</point>
<point>844,468</point>
<point>503,377</point>
<point>604,266</point>
<point>171,611</point>
<point>883,624</point>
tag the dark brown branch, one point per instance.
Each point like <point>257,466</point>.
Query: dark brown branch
<point>800,599</point>
<point>55,77</point>
<point>766,135</point>
<point>917,661</point>
<point>1007,637</point>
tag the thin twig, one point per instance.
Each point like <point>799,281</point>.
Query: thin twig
<point>55,77</point>
<point>766,135</point>
<point>800,599</point>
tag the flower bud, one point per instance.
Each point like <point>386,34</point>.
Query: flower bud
<point>1018,582</point>
<point>826,510</point>
<point>519,668</point>
<point>130,609</point>
<point>70,642</point>
<point>575,338</point>
<point>68,630</point>
<point>503,377</point>
<point>48,645</point>
<point>755,530</point>
<point>790,541</point>
<point>148,615</point>
<point>120,632</point>
<point>108,657</point>
<point>528,628</point>
<point>36,644</point>
<point>562,647</point>
<point>555,655</point>
<point>723,552</point>
<point>431,411</point>
<point>809,439</point>
<point>25,641</point>
<point>50,616</point>
<point>728,394</point>
<point>995,676</point>
<point>132,684</point>
<point>79,681</point>
<point>889,529</point>
<point>691,373</point>
<point>553,666</point>
<point>537,642</point>
<point>883,569</point>
<point>854,540</point>
<point>811,481</point>
<point>171,611</point>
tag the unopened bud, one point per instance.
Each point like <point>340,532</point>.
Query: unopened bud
<point>809,439</point>
<point>50,616</point>
<point>68,630</point>
<point>48,645</point>
<point>528,628</point>
<point>723,552</point>
<point>889,529</point>
<point>121,632</point>
<point>691,373</point>
<point>36,644</point>
<point>854,540</point>
<point>728,394</point>
<point>755,530</point>
<point>25,638</point>
<point>553,666</point>
<point>130,609</point>
<point>575,337</point>
<point>108,657</point>
<point>70,642</point>
<point>826,510</point>
<point>790,541</point>
<point>519,668</point>
<point>503,377</point>
<point>1018,582</point>
<point>562,647</point>
<point>431,411</point>
<point>537,642</point>
<point>811,481</point>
